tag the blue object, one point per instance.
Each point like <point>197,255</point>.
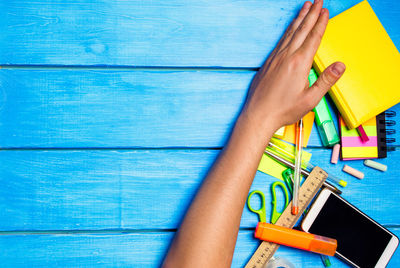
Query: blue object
<point>113,111</point>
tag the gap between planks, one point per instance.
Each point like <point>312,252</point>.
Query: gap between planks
<point>119,231</point>
<point>137,148</point>
<point>129,67</point>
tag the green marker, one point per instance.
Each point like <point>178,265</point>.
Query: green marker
<point>323,118</point>
<point>325,261</point>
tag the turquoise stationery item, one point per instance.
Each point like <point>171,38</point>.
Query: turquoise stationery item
<point>323,118</point>
<point>262,210</point>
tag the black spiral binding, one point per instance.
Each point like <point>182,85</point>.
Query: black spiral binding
<point>383,132</point>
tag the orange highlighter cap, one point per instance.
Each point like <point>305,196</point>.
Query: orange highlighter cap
<point>293,238</point>
<point>295,210</point>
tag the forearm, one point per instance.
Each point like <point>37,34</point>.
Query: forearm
<point>279,95</point>
<point>208,233</point>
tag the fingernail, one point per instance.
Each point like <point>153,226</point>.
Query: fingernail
<point>338,68</point>
<point>307,5</point>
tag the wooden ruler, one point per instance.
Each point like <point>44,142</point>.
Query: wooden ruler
<point>307,192</point>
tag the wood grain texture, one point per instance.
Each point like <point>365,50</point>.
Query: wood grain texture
<point>141,189</point>
<point>155,33</point>
<point>122,108</point>
<point>108,108</point>
<point>128,250</point>
<point>115,207</point>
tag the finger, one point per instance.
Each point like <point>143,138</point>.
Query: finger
<point>306,25</point>
<point>313,40</point>
<point>324,82</point>
<point>295,24</point>
<point>287,36</point>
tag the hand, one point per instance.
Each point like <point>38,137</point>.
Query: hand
<point>280,91</point>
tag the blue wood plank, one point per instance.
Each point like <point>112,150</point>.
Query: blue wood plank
<point>122,108</point>
<point>128,250</point>
<point>109,108</point>
<point>142,189</point>
<point>155,33</point>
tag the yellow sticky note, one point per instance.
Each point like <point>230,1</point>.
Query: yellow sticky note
<point>360,152</point>
<point>280,132</point>
<point>271,167</point>
<point>290,132</point>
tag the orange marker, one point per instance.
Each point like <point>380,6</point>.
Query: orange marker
<point>297,239</point>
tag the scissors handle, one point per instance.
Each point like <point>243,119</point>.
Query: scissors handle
<point>261,210</point>
<point>288,178</point>
<point>275,214</point>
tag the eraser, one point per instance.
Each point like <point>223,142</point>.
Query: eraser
<point>354,172</point>
<point>375,165</point>
<point>335,153</point>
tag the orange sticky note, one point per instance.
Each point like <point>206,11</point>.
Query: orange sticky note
<point>290,132</point>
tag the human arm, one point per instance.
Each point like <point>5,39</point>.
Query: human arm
<point>279,95</point>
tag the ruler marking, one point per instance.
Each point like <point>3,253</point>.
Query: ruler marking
<point>311,186</point>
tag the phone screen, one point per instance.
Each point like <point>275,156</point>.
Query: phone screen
<point>359,239</point>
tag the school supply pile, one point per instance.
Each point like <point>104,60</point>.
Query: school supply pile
<point>357,38</point>
<point>307,192</point>
<point>273,168</point>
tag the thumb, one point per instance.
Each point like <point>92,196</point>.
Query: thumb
<point>326,80</point>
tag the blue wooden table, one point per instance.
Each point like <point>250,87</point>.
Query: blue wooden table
<point>112,111</point>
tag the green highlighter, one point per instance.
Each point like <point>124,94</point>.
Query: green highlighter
<point>323,118</point>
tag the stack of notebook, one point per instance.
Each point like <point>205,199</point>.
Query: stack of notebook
<point>369,85</point>
<point>376,147</point>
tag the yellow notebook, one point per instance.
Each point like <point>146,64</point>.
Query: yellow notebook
<point>370,84</point>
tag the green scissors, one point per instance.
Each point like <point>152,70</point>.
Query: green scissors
<point>262,211</point>
<point>287,176</point>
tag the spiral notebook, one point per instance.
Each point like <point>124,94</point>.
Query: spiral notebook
<point>354,148</point>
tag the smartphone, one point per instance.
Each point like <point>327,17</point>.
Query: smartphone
<point>362,242</point>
